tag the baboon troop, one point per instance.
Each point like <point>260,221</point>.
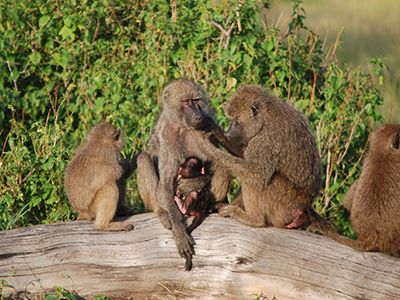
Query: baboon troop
<point>95,179</point>
<point>174,139</point>
<point>374,198</point>
<point>191,191</point>
<point>269,146</point>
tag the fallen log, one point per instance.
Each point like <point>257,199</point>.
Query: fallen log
<point>232,261</point>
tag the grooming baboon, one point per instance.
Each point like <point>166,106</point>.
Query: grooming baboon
<point>280,169</point>
<point>192,191</point>
<point>374,198</point>
<point>95,179</point>
<point>184,111</point>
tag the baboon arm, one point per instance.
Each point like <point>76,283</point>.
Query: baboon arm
<point>220,182</point>
<point>165,196</point>
<point>256,174</point>
<point>351,193</point>
<point>232,147</point>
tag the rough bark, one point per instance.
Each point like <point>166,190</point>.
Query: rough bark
<point>232,261</point>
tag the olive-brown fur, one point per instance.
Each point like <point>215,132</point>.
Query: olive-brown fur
<point>280,170</point>
<point>374,198</point>
<point>95,179</point>
<point>184,110</point>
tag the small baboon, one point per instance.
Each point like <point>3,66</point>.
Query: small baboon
<point>174,139</point>
<point>95,179</point>
<point>280,168</point>
<point>374,198</point>
<point>191,192</point>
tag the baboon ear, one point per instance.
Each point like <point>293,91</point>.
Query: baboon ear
<point>117,134</point>
<point>255,108</point>
<point>396,141</point>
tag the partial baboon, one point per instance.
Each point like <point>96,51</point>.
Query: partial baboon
<point>374,198</point>
<point>184,110</point>
<point>95,179</point>
<point>280,169</point>
<point>192,191</point>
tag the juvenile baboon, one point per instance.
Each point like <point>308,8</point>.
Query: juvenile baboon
<point>95,179</point>
<point>184,110</point>
<point>374,198</point>
<point>280,169</point>
<point>191,192</point>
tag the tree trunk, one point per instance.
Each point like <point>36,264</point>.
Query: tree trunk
<point>232,261</point>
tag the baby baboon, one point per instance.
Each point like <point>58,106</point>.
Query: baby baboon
<point>374,198</point>
<point>191,192</point>
<point>280,169</point>
<point>95,179</point>
<point>174,139</point>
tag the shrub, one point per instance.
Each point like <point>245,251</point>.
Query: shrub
<point>66,66</point>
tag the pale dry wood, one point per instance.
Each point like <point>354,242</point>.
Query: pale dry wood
<point>232,261</point>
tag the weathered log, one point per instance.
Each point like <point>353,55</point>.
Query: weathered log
<point>232,261</point>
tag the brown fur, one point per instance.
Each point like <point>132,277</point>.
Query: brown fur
<point>172,142</point>
<point>374,198</point>
<point>192,191</point>
<point>280,170</point>
<point>95,179</point>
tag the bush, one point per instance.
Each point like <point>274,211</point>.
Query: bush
<point>67,66</point>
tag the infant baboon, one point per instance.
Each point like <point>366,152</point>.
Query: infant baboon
<point>95,179</point>
<point>184,111</point>
<point>191,192</point>
<point>374,198</point>
<point>280,169</point>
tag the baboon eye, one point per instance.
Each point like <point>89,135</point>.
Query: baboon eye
<point>195,101</point>
<point>396,142</point>
<point>255,108</point>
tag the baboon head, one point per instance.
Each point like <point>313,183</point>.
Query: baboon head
<point>192,167</point>
<point>387,139</point>
<point>245,109</point>
<point>187,104</point>
<point>108,134</point>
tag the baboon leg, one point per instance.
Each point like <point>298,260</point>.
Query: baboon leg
<point>198,219</point>
<point>104,206</point>
<point>147,181</point>
<point>85,215</point>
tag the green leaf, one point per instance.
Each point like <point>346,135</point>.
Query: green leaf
<point>9,34</point>
<point>44,20</point>
<point>336,82</point>
<point>35,57</point>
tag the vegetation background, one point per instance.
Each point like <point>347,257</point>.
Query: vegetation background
<point>66,65</point>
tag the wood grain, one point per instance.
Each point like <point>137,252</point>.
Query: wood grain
<point>232,261</point>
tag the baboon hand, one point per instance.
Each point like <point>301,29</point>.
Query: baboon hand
<point>184,244</point>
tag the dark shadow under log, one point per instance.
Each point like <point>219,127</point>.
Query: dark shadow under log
<point>232,261</point>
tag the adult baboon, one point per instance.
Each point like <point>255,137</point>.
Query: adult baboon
<point>192,191</point>
<point>95,179</point>
<point>280,169</point>
<point>184,110</point>
<point>374,198</point>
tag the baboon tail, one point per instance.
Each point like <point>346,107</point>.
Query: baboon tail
<point>329,230</point>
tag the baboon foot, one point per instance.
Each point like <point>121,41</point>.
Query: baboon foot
<point>124,211</point>
<point>225,210</point>
<point>300,220</point>
<point>115,226</point>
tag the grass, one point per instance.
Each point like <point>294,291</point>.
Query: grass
<point>370,29</point>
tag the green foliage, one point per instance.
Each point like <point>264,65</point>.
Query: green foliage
<point>65,66</point>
